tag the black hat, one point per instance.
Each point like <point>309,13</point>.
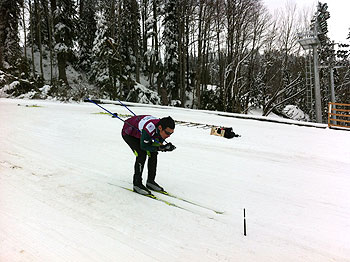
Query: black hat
<point>167,122</point>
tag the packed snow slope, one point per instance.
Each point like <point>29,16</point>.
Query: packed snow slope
<point>61,166</point>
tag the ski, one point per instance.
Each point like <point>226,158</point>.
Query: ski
<point>156,198</point>
<point>176,197</point>
<point>161,200</point>
<point>189,202</point>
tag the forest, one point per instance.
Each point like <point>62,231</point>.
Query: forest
<point>226,55</point>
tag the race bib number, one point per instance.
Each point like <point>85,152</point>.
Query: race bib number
<point>150,127</point>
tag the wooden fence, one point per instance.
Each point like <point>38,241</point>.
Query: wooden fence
<point>339,115</point>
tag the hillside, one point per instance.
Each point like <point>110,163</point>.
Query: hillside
<point>61,165</point>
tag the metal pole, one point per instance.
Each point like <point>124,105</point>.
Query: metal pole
<point>332,85</point>
<point>318,105</point>
<point>245,223</point>
<point>332,91</point>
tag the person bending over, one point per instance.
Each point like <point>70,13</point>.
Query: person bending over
<point>146,136</point>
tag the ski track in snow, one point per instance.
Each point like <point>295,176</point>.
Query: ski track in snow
<point>58,161</point>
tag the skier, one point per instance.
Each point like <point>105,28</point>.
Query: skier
<point>148,142</point>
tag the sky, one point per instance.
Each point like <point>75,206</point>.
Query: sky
<point>338,23</point>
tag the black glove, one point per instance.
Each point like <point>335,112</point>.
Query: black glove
<point>167,147</point>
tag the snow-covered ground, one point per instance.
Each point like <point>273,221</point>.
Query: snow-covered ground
<point>59,164</point>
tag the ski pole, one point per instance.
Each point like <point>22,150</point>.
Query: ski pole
<point>113,114</point>
<point>105,109</point>
<point>126,107</point>
<point>120,118</point>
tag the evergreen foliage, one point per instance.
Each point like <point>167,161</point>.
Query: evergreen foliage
<point>105,68</point>
<point>65,32</point>
<point>170,40</point>
<point>218,55</point>
<point>10,54</point>
<point>87,29</point>
<point>130,41</point>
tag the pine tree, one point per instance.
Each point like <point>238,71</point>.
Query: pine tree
<point>153,56</point>
<point>106,67</point>
<point>10,54</point>
<point>87,29</point>
<point>99,73</point>
<point>146,27</point>
<point>40,33</point>
<point>130,41</point>
<point>170,39</point>
<point>65,25</point>
<point>39,17</point>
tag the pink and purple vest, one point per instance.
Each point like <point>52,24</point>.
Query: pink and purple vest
<point>133,125</point>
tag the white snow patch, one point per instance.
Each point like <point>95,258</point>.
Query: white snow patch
<point>45,89</point>
<point>295,113</point>
<point>58,162</point>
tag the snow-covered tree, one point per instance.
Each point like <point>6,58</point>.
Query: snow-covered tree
<point>39,21</point>
<point>99,73</point>
<point>65,24</point>
<point>170,40</point>
<point>106,67</point>
<point>10,53</point>
<point>87,29</point>
<point>130,41</point>
<point>146,27</point>
<point>155,65</point>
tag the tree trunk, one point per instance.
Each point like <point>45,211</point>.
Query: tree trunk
<point>199,59</point>
<point>32,37</point>
<point>48,14</point>
<point>38,33</point>
<point>144,17</point>
<point>24,32</point>
<point>182,54</point>
<point>62,61</point>
<point>2,35</point>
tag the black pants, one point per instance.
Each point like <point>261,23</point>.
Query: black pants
<point>141,155</point>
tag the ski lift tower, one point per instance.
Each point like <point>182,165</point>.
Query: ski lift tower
<point>309,41</point>
<point>312,39</point>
